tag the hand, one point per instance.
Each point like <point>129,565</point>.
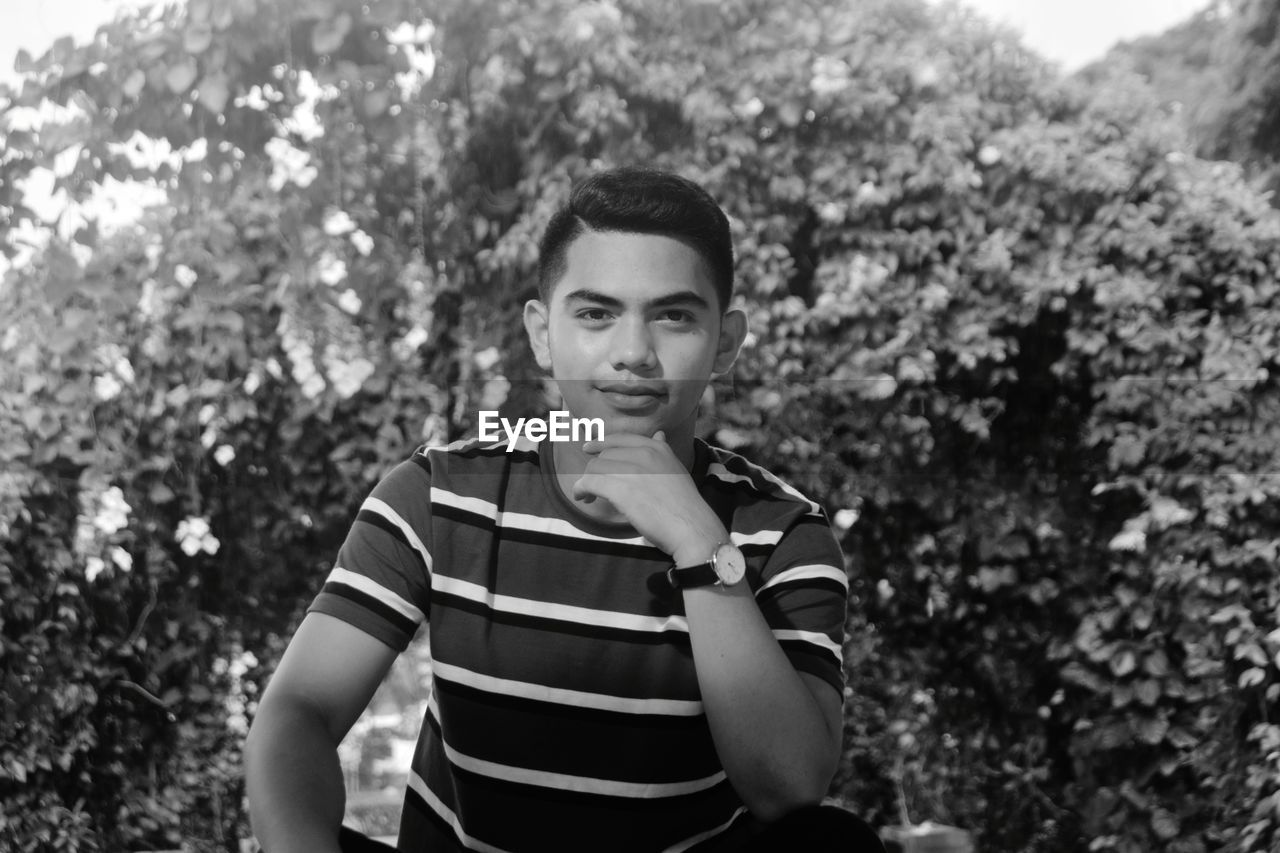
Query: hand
<point>645,481</point>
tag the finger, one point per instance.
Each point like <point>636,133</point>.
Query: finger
<point>660,435</point>
<point>588,487</point>
<point>581,490</point>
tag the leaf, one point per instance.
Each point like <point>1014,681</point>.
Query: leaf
<point>879,387</point>
<point>329,35</point>
<point>87,235</point>
<point>992,579</point>
<point>1124,663</point>
<point>376,103</point>
<point>197,38</point>
<point>1127,452</point>
<point>1251,677</point>
<point>62,49</point>
<point>134,83</point>
<point>1253,652</point>
<point>1074,673</point>
<point>1165,824</point>
<point>1148,692</point>
<point>181,75</point>
<point>223,16</point>
<point>1156,664</point>
<point>213,92</point>
<point>1113,736</point>
<point>1227,613</point>
<point>1152,731</point>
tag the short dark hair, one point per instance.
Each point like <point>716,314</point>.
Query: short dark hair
<point>638,200</point>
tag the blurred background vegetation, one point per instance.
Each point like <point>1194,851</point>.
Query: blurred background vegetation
<point>1018,332</point>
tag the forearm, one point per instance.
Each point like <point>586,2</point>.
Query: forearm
<point>770,734</point>
<point>776,732</point>
<point>294,781</point>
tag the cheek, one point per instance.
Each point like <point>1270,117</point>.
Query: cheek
<point>570,353</point>
<point>693,357</point>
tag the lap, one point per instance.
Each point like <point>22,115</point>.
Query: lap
<point>816,829</point>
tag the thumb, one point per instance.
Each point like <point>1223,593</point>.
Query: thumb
<point>580,491</point>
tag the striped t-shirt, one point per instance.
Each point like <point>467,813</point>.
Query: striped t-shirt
<point>565,713</point>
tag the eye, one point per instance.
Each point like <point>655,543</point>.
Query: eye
<point>593,315</point>
<point>676,315</point>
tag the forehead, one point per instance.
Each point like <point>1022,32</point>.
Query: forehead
<point>634,267</point>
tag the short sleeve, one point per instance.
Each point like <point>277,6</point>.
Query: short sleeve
<point>804,595</point>
<point>381,582</point>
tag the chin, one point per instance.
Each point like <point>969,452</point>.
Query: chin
<point>638,426</point>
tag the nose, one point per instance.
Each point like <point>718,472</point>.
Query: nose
<point>632,346</point>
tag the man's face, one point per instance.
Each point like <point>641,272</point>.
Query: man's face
<point>633,332</point>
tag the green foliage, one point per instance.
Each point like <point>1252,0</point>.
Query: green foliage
<point>1248,120</point>
<point>1220,71</point>
<point>1023,344</point>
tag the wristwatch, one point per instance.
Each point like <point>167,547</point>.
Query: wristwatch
<point>726,567</point>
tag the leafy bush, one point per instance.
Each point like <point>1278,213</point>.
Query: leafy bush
<point>1005,326</point>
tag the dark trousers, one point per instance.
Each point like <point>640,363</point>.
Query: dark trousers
<point>815,829</point>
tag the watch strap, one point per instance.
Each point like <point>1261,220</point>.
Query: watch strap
<point>703,574</point>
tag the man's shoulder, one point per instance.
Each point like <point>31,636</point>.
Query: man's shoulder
<point>756,484</point>
<point>475,455</point>
<point>468,475</point>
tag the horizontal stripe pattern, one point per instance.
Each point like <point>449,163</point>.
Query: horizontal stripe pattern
<point>578,698</point>
<point>752,475</point>
<point>523,521</point>
<point>418,786</point>
<point>710,833</point>
<point>800,574</point>
<point>510,814</point>
<point>383,510</point>
<point>372,588</point>
<point>565,711</point>
<point>554,612</point>
<point>813,638</point>
<point>569,782</point>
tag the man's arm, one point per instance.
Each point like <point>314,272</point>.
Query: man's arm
<point>777,731</point>
<point>325,679</point>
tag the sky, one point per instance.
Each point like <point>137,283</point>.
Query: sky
<point>1076,32</point>
<point>1070,32</point>
<point>34,25</point>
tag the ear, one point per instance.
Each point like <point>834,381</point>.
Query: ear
<point>733,331</point>
<point>536,327</point>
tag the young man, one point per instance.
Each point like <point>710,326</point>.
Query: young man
<point>636,640</point>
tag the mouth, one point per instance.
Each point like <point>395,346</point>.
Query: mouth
<point>632,396</point>
<point>633,389</point>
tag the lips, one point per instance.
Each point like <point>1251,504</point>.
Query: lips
<point>633,397</point>
<point>634,389</point>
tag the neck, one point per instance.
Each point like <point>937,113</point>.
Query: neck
<point>571,462</point>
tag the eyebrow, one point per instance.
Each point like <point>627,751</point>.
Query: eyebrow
<point>680,297</point>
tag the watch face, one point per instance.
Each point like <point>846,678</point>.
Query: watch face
<point>730,564</point>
